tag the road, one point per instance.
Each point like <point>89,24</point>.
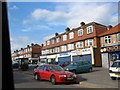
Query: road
<point>99,78</point>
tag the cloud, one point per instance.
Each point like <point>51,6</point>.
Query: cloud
<point>72,14</point>
<point>48,37</point>
<point>19,42</point>
<point>14,7</point>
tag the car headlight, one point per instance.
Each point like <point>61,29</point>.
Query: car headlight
<point>62,76</point>
<point>67,68</point>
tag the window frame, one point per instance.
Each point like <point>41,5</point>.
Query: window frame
<point>106,39</point>
<point>71,35</point>
<point>89,31</point>
<point>80,32</point>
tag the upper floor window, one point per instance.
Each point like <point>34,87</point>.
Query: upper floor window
<point>57,39</point>
<point>44,44</point>
<point>80,32</point>
<point>53,41</point>
<point>57,49</point>
<point>64,37</point>
<point>89,42</point>
<point>89,29</point>
<point>63,48</point>
<point>79,44</point>
<point>48,42</point>
<point>71,35</point>
<point>70,46</point>
<point>107,39</point>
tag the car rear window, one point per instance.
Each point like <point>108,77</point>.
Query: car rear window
<point>116,64</point>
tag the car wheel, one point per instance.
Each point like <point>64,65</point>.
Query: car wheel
<point>113,78</point>
<point>74,71</point>
<point>36,77</point>
<point>90,69</point>
<point>53,80</point>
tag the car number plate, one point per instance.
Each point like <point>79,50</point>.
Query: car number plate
<point>69,78</point>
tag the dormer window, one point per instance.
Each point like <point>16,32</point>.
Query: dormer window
<point>89,29</point>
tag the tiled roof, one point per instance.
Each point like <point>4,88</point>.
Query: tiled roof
<point>113,30</point>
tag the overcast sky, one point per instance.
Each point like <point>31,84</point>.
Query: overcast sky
<point>35,22</point>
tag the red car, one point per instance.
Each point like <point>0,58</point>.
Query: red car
<point>54,73</point>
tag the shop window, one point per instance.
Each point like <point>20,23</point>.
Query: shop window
<point>107,39</point>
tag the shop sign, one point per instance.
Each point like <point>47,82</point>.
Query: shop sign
<point>86,51</point>
<point>75,52</point>
<point>110,48</point>
<point>62,54</point>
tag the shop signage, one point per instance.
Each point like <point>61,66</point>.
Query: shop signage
<point>110,48</point>
<point>86,51</point>
<point>61,54</point>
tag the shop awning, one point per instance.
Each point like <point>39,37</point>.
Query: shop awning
<point>51,56</point>
<point>43,57</point>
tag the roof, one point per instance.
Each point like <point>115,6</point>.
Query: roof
<point>113,30</point>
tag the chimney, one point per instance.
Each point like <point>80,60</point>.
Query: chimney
<point>28,46</point>
<point>67,29</point>
<point>82,23</point>
<point>56,34</point>
<point>109,27</point>
<point>32,44</point>
<point>42,45</point>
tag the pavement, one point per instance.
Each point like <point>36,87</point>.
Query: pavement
<point>98,78</point>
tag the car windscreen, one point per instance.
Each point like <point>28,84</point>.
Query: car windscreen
<point>56,68</point>
<point>116,64</point>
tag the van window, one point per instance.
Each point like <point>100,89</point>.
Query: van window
<point>116,64</point>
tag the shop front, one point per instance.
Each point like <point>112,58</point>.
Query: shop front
<point>110,54</point>
<point>51,58</point>
<point>43,59</point>
<point>63,57</point>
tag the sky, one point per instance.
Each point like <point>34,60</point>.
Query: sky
<point>36,22</point>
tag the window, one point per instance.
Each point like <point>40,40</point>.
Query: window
<point>89,42</point>
<point>57,49</point>
<point>48,42</point>
<point>118,37</point>
<point>57,39</point>
<point>63,48</point>
<point>51,50</point>
<point>107,39</point>
<point>64,37</point>
<point>53,41</point>
<point>79,44</point>
<point>71,35</point>
<point>41,68</point>
<point>44,44</point>
<point>89,29</point>
<point>70,46</point>
<point>80,32</point>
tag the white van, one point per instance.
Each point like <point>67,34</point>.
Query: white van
<point>114,70</point>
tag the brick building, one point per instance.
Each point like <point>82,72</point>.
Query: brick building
<point>79,43</point>
<point>110,45</point>
<point>32,52</point>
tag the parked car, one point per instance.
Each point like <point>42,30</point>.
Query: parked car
<point>114,70</point>
<point>79,66</point>
<point>54,73</point>
<point>64,64</point>
<point>15,64</point>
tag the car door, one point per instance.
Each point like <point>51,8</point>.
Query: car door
<point>47,73</point>
<point>40,71</point>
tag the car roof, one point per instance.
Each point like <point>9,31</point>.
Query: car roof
<point>117,61</point>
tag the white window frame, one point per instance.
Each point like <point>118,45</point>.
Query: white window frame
<point>88,42</point>
<point>80,32</point>
<point>64,48</point>
<point>89,29</point>
<point>71,35</point>
<point>57,39</point>
<point>48,42</point>
<point>44,44</point>
<point>64,37</point>
<point>70,46</point>
<point>57,49</point>
<point>79,44</point>
<point>107,38</point>
<point>53,41</point>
